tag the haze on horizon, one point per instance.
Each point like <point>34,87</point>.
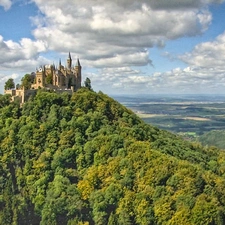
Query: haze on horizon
<point>125,47</point>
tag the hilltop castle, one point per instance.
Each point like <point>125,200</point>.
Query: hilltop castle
<point>61,78</point>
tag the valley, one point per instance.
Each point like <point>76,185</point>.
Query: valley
<point>188,115</point>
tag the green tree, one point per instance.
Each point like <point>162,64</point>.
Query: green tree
<point>4,100</point>
<point>112,219</point>
<point>27,80</point>
<point>17,86</point>
<point>87,83</point>
<point>9,84</point>
<point>49,78</point>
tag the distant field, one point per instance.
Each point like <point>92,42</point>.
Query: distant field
<point>190,114</point>
<point>197,118</point>
<point>146,116</point>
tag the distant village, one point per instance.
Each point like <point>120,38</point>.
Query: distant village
<point>58,78</point>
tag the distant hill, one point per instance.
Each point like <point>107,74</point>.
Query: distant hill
<point>86,159</point>
<point>213,138</point>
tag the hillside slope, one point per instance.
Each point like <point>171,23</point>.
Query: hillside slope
<point>213,138</point>
<point>86,159</point>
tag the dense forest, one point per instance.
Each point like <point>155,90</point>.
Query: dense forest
<point>86,159</point>
<point>213,138</point>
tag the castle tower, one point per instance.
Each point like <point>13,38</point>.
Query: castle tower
<point>69,61</point>
<point>78,75</point>
<point>40,78</point>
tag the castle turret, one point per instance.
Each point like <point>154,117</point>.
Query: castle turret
<point>78,75</point>
<point>69,61</point>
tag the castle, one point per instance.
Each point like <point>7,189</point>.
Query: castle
<point>64,78</point>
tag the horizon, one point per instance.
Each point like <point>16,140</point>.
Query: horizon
<point>126,47</point>
<point>169,98</point>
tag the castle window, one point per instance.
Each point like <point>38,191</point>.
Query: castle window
<point>39,80</point>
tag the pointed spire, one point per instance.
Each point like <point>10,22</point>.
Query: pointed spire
<point>69,61</point>
<point>60,63</point>
<point>78,62</point>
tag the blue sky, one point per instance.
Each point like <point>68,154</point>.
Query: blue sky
<point>125,47</point>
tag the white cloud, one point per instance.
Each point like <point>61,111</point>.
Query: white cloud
<point>22,55</point>
<point>106,33</point>
<point>177,81</point>
<point>207,54</point>
<point>115,37</point>
<point>116,33</point>
<point>4,78</point>
<point>6,4</point>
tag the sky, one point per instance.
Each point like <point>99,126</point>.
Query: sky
<point>124,46</point>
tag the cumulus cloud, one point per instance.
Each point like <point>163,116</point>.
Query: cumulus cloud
<point>177,81</point>
<point>115,37</point>
<point>110,33</point>
<point>207,54</point>
<point>24,54</point>
<point>180,4</point>
<point>117,33</point>
<point>4,78</point>
<point>6,4</point>
<point>205,74</point>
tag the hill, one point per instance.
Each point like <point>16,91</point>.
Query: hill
<point>213,138</point>
<point>86,159</point>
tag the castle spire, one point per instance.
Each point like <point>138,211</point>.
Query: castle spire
<point>78,62</point>
<point>69,61</point>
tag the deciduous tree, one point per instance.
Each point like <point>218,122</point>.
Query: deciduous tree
<point>9,84</point>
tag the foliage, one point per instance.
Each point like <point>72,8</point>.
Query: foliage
<point>4,100</point>
<point>27,80</point>
<point>213,138</point>
<point>9,84</point>
<point>49,79</point>
<point>87,83</point>
<point>86,159</point>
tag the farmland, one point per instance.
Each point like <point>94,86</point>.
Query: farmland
<point>188,115</point>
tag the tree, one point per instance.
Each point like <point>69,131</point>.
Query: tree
<point>87,83</point>
<point>27,80</point>
<point>4,100</point>
<point>49,78</point>
<point>18,86</point>
<point>9,84</point>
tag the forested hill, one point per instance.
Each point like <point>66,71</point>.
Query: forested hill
<point>86,159</point>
